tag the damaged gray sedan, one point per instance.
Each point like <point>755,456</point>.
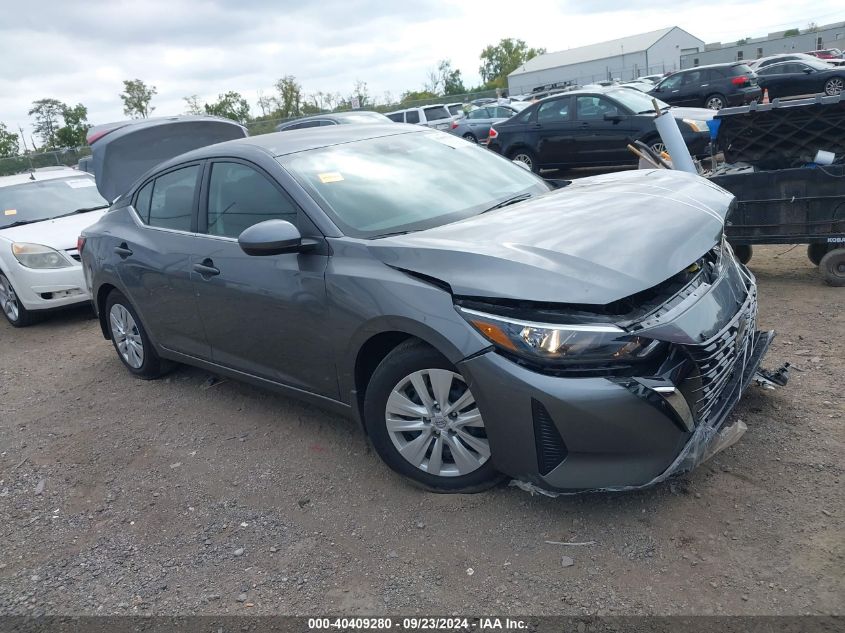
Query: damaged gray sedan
<point>476,320</point>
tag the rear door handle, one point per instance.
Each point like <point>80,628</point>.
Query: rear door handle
<point>206,268</point>
<point>123,250</point>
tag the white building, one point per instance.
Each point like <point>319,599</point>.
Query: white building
<point>626,58</point>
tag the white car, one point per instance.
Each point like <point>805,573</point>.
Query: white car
<point>42,214</point>
<point>435,116</point>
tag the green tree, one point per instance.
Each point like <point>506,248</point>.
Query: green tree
<point>75,128</point>
<point>136,98</point>
<point>791,32</point>
<point>230,105</point>
<point>502,59</point>
<point>192,105</point>
<point>417,95</point>
<point>289,97</point>
<point>8,142</point>
<point>46,125</point>
<point>445,80</point>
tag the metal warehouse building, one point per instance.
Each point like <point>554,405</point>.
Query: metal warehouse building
<point>625,58</point>
<point>819,37</point>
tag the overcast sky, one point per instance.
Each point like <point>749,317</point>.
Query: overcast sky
<point>79,51</point>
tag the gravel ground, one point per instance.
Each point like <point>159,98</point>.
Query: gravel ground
<point>119,496</point>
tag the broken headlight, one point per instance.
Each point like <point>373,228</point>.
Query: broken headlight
<point>559,343</point>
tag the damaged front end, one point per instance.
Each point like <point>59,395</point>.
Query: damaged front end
<point>683,352</point>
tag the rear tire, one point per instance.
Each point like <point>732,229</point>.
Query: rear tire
<point>832,266</point>
<point>527,157</point>
<point>12,308</point>
<point>834,86</point>
<point>816,251</point>
<point>743,252</point>
<point>130,340</point>
<point>415,433</point>
<point>470,138</point>
<point>715,101</point>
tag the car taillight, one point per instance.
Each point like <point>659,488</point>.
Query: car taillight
<point>80,244</point>
<point>454,124</point>
<point>493,133</point>
<point>739,81</point>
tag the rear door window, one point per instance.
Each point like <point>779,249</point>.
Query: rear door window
<point>142,201</point>
<point>172,199</point>
<point>433,113</point>
<point>553,111</point>
<point>412,116</point>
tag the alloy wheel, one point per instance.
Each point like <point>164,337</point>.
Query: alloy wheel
<point>715,103</point>
<point>8,299</point>
<point>521,157</point>
<point>126,336</point>
<point>434,423</point>
<point>834,86</point>
<point>659,148</point>
<point>470,138</point>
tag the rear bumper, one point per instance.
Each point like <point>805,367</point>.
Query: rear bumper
<point>745,96</point>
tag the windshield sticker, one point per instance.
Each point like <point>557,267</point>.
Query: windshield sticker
<point>78,184</point>
<point>330,176</point>
<point>10,212</point>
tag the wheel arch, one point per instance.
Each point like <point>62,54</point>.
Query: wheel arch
<point>100,301</point>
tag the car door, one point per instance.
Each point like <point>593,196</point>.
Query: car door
<point>695,88</point>
<point>669,90</point>
<point>154,261</point>
<point>264,316</point>
<point>598,140</point>
<point>553,132</point>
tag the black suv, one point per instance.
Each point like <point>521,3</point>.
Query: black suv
<point>715,87</point>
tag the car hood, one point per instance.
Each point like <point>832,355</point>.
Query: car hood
<point>593,242</point>
<point>60,233</point>
<point>696,114</point>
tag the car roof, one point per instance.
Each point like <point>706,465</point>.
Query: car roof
<point>329,116</point>
<point>44,173</point>
<point>293,141</point>
<point>740,62</point>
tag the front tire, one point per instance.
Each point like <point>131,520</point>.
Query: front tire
<point>130,339</point>
<point>832,266</point>
<point>424,422</point>
<point>715,101</point>
<point>11,306</point>
<point>816,251</point>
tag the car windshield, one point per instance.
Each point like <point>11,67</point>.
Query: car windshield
<point>37,200</point>
<point>636,101</point>
<point>407,182</point>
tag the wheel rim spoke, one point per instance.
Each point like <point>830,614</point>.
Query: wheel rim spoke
<point>127,336</point>
<point>464,460</point>
<point>441,384</point>
<point>463,402</point>
<point>475,443</point>
<point>418,383</point>
<point>400,404</point>
<point>405,426</point>
<point>470,418</point>
<point>435,462</point>
<point>415,450</point>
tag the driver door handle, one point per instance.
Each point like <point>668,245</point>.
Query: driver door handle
<point>206,268</point>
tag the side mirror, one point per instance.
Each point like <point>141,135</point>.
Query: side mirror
<point>808,71</point>
<point>657,89</point>
<point>612,117</point>
<point>271,237</point>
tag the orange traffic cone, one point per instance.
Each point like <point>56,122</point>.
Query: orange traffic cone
<point>765,96</point>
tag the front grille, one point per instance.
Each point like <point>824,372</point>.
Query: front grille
<point>720,363</point>
<point>551,450</point>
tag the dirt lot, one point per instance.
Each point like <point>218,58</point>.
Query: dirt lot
<point>121,496</point>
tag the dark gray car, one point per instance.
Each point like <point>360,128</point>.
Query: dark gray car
<point>476,321</point>
<point>354,117</point>
<point>475,126</point>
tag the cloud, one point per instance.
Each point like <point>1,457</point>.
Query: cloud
<point>80,52</point>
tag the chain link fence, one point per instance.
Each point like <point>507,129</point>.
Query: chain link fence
<point>35,160</point>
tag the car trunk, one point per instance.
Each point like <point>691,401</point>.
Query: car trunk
<point>122,152</point>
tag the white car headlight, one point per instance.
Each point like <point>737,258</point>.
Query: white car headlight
<point>697,126</point>
<point>561,344</point>
<point>39,256</point>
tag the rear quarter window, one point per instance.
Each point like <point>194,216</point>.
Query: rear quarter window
<point>436,112</point>
<point>740,69</point>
